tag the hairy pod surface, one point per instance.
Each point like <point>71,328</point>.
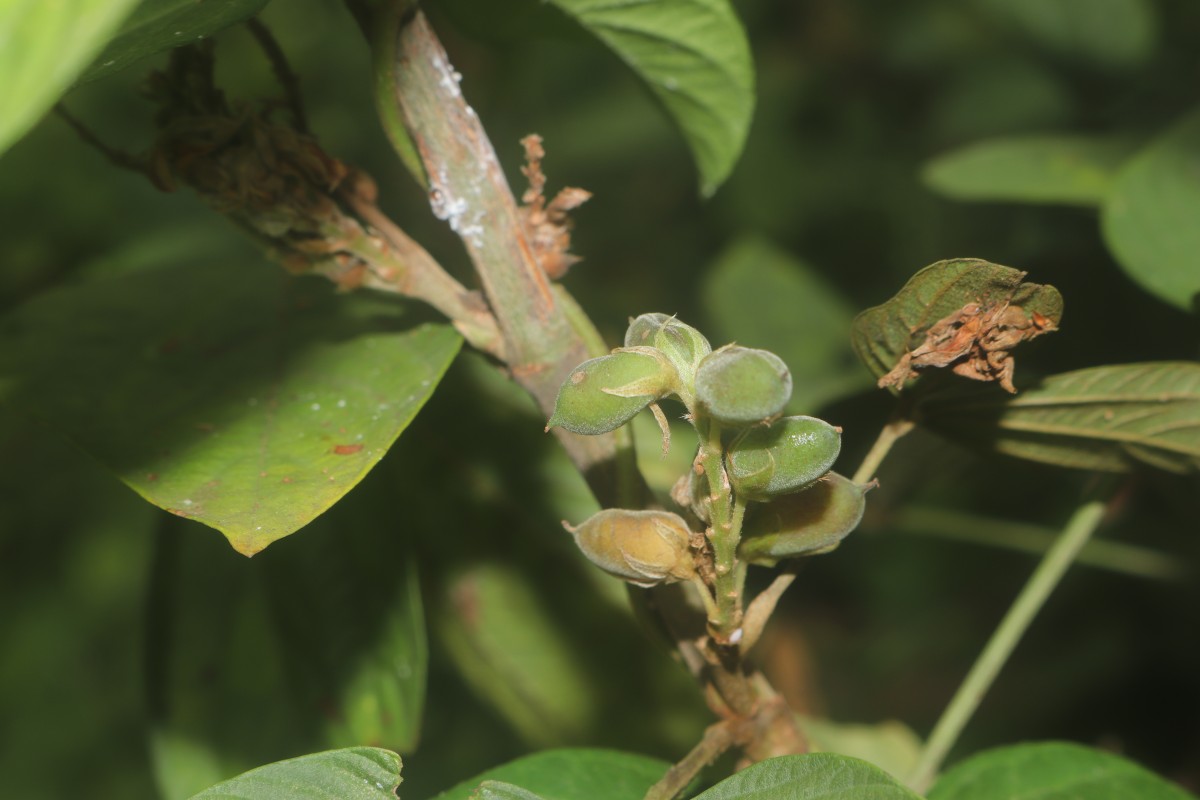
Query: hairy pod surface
<point>645,548</point>
<point>602,394</point>
<point>770,460</point>
<point>806,523</point>
<point>741,386</point>
<point>681,343</point>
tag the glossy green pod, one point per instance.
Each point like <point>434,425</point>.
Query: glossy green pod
<point>683,345</point>
<point>602,394</point>
<point>645,548</point>
<point>770,460</point>
<point>741,386</point>
<point>805,523</point>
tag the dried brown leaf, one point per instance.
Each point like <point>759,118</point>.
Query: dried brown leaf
<point>548,226</point>
<point>975,342</point>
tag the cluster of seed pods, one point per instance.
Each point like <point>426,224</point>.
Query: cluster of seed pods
<point>780,465</point>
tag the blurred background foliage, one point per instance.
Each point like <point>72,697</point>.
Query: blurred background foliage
<point>826,214</point>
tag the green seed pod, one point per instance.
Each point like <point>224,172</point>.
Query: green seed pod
<point>806,523</point>
<point>785,456</point>
<point>740,386</point>
<point>602,394</point>
<point>645,548</point>
<point>683,345</point>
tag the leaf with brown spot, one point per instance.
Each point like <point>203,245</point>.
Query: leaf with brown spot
<point>263,367</point>
<point>965,313</point>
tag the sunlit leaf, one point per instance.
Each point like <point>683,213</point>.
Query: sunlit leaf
<point>760,296</point>
<point>1149,220</point>
<point>356,773</point>
<point>43,48</point>
<point>229,394</point>
<point>157,25</point>
<point>572,775</point>
<point>1052,771</point>
<point>496,790</point>
<point>1072,170</point>
<point>818,776</point>
<point>1113,32</point>
<point>694,56</point>
<point>1109,418</point>
<point>885,333</point>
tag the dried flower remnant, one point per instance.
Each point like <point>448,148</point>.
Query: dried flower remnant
<point>975,342</point>
<point>548,226</point>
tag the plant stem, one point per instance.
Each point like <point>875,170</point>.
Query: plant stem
<point>403,266</point>
<point>1004,640</point>
<point>717,739</point>
<point>724,533</point>
<point>468,189</point>
<point>888,436</point>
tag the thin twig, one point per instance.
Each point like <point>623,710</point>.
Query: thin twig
<point>283,71</point>
<point>417,274</point>
<point>888,436</point>
<point>116,157</point>
<point>1004,640</point>
<point>717,739</point>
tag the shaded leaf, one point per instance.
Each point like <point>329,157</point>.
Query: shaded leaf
<point>1149,218</point>
<point>508,649</point>
<point>356,773</point>
<point>1052,771</point>
<point>694,56</point>
<point>891,745</point>
<point>229,394</point>
<point>45,46</point>
<point>157,25</point>
<point>572,775</point>
<point>758,295</point>
<point>817,776</point>
<point>1110,418</point>
<point>1073,170</point>
<point>1114,32</point>
<point>315,645</point>
<point>885,334</point>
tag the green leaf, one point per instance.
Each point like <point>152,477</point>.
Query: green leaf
<point>1052,771</point>
<point>1072,170</point>
<point>229,394</point>
<point>694,56</point>
<point>505,643</point>
<point>1149,218</point>
<point>883,334</point>
<point>315,645</point>
<point>817,776</point>
<point>158,25</point>
<point>572,774</point>
<point>758,295</point>
<point>496,790</point>
<point>356,773</point>
<point>891,745</point>
<point>1111,32</point>
<point>1109,418</point>
<point>44,47</point>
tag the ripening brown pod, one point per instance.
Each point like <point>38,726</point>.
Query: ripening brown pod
<point>645,548</point>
